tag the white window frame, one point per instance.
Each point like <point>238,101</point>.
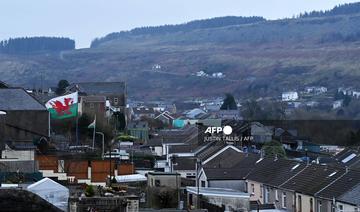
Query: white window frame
<point>284,200</point>
<point>342,208</point>
<point>267,195</point>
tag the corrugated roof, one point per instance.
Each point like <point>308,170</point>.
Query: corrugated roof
<point>18,99</point>
<point>130,178</point>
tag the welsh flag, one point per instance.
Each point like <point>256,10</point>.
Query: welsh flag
<point>63,107</point>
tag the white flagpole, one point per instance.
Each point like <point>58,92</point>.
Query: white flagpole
<point>49,124</point>
<point>94,133</point>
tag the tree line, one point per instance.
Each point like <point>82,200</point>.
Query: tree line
<point>344,9</point>
<point>193,25</point>
<point>35,44</point>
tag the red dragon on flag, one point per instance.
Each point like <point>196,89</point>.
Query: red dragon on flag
<point>62,109</point>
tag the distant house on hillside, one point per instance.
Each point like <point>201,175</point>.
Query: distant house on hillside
<point>315,90</point>
<point>289,96</point>
<point>3,85</point>
<point>356,94</point>
<point>337,104</point>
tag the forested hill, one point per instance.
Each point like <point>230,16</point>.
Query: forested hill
<point>258,57</point>
<point>193,25</point>
<point>35,44</point>
<point>344,9</point>
<point>315,27</point>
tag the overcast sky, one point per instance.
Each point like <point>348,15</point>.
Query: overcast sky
<point>83,20</point>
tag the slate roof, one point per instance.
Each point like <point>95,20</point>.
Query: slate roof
<point>240,167</point>
<point>94,98</point>
<point>348,157</point>
<point>228,159</point>
<point>313,178</point>
<point>352,196</point>
<point>210,150</point>
<point>227,173</point>
<point>187,163</point>
<point>18,99</point>
<point>105,88</point>
<point>143,110</point>
<point>21,145</point>
<point>274,172</point>
<point>342,185</point>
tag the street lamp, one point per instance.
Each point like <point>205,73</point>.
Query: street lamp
<point>198,168</point>
<point>103,142</point>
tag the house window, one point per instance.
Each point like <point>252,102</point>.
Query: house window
<point>311,205</point>
<point>276,195</point>
<point>284,200</point>
<point>252,188</point>
<point>341,208</point>
<point>267,195</point>
<point>116,101</point>
<point>356,209</point>
<point>203,184</point>
<point>299,204</point>
<point>157,183</point>
<point>261,191</point>
<point>319,206</point>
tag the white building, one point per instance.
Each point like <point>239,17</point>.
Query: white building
<point>337,104</point>
<point>356,94</point>
<point>316,90</point>
<point>201,74</point>
<point>218,75</point>
<point>290,96</point>
<point>52,192</point>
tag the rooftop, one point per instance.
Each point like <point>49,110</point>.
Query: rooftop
<point>96,88</point>
<point>313,178</point>
<point>18,99</point>
<point>218,192</point>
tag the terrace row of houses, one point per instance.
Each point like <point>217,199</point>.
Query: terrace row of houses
<point>288,185</point>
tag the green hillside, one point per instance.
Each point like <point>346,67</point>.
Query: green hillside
<point>258,57</point>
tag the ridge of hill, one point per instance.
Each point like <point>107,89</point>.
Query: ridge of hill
<point>258,57</point>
